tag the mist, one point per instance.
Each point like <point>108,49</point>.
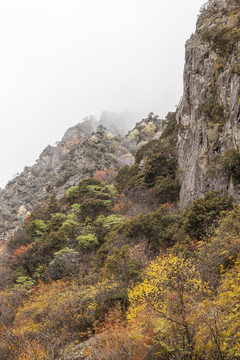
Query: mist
<point>63,60</point>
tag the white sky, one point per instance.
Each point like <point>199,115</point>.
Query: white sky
<point>62,60</point>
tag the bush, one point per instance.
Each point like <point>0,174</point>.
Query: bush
<point>87,242</point>
<point>223,39</point>
<point>167,190</point>
<point>203,213</point>
<point>214,112</point>
<point>65,263</point>
<point>158,165</point>
<point>56,221</point>
<point>91,208</point>
<point>230,163</point>
<point>158,228</point>
<point>72,193</point>
<point>124,175</point>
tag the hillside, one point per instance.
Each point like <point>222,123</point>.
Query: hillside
<point>83,150</point>
<point>128,247</point>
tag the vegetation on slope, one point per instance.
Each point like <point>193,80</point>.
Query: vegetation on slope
<point>116,267</point>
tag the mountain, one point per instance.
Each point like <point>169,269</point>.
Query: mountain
<point>209,113</point>
<point>83,150</point>
<point>128,247</point>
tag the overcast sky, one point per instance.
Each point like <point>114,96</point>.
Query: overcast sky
<point>62,60</point>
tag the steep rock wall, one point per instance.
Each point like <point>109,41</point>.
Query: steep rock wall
<point>208,115</point>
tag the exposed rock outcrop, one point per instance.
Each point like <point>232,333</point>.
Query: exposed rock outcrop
<point>209,115</point>
<point>83,150</point>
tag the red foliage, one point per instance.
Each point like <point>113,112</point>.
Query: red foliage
<point>107,174</point>
<point>20,252</point>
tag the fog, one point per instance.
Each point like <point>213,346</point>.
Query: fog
<point>63,60</point>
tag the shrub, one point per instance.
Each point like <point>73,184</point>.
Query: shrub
<point>95,189</point>
<point>223,39</point>
<point>124,175</point>
<point>134,135</point>
<point>202,213</point>
<point>40,227</point>
<point>214,112</point>
<point>230,163</point>
<point>170,131</point>
<point>104,224</point>
<point>158,165</point>
<point>87,242</point>
<point>65,263</point>
<point>167,190</point>
<point>91,208</point>
<point>71,225</point>
<point>56,221</point>
<point>158,227</point>
<point>72,193</point>
<point>148,129</point>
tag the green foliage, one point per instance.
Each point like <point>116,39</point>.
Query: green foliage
<point>40,227</point>
<point>93,189</point>
<point>223,39</point>
<point>214,112</point>
<point>87,242</point>
<point>230,163</point>
<point>167,190</point>
<point>202,213</point>
<point>76,209</point>
<point>107,260</point>
<point>56,221</point>
<point>152,146</point>
<point>54,241</point>
<point>158,227</point>
<point>159,160</point>
<point>159,165</point>
<point>108,222</point>
<point>91,208</point>
<point>124,175</point>
<point>170,131</point>
<point>24,282</point>
<point>72,193</point>
<point>121,265</point>
<point>65,263</point>
<point>71,225</point>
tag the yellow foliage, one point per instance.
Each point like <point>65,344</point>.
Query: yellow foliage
<point>170,289</point>
<point>217,320</point>
<point>34,351</point>
<point>168,280</point>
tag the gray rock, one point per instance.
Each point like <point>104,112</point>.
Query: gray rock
<point>202,139</point>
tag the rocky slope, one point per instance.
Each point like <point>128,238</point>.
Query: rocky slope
<point>83,150</point>
<point>209,115</point>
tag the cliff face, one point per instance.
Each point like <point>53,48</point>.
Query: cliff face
<point>83,150</point>
<point>209,115</point>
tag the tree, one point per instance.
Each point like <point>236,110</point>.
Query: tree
<point>202,213</point>
<point>65,263</point>
<point>170,288</point>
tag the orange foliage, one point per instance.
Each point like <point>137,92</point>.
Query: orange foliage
<point>34,351</point>
<point>107,175</point>
<point>122,205</point>
<point>19,252</point>
<point>117,339</point>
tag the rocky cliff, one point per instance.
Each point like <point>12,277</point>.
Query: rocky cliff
<point>83,150</point>
<point>209,115</point>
